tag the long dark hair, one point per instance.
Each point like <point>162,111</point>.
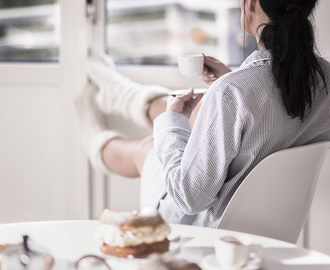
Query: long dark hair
<point>290,37</point>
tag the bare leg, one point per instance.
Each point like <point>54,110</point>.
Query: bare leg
<point>126,157</point>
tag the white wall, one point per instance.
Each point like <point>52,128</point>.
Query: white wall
<point>319,237</point>
<point>31,156</point>
<point>322,22</point>
<point>42,173</point>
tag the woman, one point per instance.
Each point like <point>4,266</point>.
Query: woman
<point>277,99</point>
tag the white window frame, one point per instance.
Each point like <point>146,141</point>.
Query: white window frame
<point>30,73</point>
<point>159,74</point>
<point>68,77</point>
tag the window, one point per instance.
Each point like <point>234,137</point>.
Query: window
<point>158,31</point>
<point>29,30</point>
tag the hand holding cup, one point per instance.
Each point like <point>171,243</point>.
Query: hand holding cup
<point>213,69</point>
<point>209,68</point>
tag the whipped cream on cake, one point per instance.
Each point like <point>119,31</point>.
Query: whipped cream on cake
<point>114,236</point>
<point>135,233</point>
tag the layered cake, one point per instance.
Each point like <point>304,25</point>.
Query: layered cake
<point>136,234</point>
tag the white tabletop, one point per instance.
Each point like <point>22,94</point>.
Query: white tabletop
<point>69,240</point>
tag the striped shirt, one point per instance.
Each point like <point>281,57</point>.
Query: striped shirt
<point>242,120</point>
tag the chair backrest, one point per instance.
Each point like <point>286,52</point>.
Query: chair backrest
<point>275,198</point>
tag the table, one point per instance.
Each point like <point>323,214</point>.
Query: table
<point>67,241</point>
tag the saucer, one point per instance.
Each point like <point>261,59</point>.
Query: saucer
<point>185,91</point>
<point>210,262</point>
<point>174,237</point>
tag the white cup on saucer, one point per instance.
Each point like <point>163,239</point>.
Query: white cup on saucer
<point>234,252</point>
<point>191,65</point>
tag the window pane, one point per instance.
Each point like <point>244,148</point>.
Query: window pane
<point>29,30</point>
<point>158,31</point>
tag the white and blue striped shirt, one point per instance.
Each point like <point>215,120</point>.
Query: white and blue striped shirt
<point>242,120</point>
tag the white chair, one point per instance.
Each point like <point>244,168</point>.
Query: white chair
<point>275,198</point>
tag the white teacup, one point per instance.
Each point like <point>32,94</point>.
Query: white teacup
<point>191,65</point>
<point>234,252</point>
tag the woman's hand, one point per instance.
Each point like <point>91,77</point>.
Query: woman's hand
<point>183,104</point>
<point>213,69</point>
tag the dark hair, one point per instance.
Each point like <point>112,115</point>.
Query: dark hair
<point>290,37</point>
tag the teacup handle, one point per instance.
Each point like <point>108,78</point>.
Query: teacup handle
<point>256,251</point>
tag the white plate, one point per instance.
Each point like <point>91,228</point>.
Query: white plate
<point>185,91</point>
<point>210,262</point>
<point>174,237</point>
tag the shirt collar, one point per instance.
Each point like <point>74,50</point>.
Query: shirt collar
<point>257,56</point>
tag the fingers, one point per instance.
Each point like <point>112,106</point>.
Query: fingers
<point>193,102</point>
<point>205,70</point>
<point>177,104</point>
<point>184,104</point>
<point>214,66</point>
<point>170,98</point>
<point>210,58</point>
<point>211,61</point>
<point>188,96</point>
<point>190,101</point>
<point>208,77</point>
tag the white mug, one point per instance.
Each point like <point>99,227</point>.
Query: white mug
<point>191,65</point>
<point>234,252</point>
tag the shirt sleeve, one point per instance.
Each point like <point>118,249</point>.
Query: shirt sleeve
<point>194,163</point>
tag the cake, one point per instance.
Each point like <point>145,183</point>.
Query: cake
<point>132,234</point>
<point>156,262</point>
